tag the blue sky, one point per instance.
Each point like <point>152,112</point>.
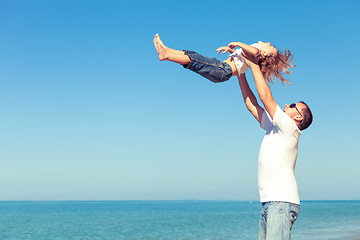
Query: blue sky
<point>89,113</point>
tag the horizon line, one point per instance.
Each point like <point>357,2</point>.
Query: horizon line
<point>174,200</point>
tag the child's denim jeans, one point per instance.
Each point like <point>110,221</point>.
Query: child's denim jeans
<point>210,68</point>
<point>276,220</point>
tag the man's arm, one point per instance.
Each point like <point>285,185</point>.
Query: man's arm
<point>263,89</point>
<point>247,48</point>
<point>250,99</point>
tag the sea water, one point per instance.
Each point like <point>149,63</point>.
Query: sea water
<point>168,220</point>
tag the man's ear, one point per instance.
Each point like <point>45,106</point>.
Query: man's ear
<point>298,118</point>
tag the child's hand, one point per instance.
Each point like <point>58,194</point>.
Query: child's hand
<point>233,45</point>
<point>224,49</point>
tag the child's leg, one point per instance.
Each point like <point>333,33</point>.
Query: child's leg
<point>158,40</point>
<point>169,54</point>
<point>210,68</point>
<point>232,65</point>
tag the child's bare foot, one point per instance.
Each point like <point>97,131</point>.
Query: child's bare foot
<point>160,48</point>
<point>161,43</point>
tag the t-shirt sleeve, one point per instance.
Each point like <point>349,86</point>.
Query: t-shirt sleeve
<point>284,123</point>
<point>237,53</point>
<point>258,47</point>
<point>266,122</point>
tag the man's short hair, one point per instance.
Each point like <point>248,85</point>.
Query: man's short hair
<point>307,117</point>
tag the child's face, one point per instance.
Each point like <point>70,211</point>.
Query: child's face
<point>267,49</point>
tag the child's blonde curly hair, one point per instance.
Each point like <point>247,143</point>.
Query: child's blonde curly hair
<point>275,65</point>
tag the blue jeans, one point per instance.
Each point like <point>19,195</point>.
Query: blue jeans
<point>276,220</point>
<point>210,68</point>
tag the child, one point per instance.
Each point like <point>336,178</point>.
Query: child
<point>272,63</point>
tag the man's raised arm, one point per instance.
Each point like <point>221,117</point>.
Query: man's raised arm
<point>263,89</point>
<point>250,99</point>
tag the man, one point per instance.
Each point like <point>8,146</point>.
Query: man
<point>279,197</point>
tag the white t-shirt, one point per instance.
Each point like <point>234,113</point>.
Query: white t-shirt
<point>239,61</point>
<point>277,158</point>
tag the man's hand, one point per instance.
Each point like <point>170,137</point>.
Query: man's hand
<point>224,50</point>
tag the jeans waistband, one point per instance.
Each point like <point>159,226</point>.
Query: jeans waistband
<point>276,202</point>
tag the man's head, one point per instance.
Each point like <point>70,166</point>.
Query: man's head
<point>300,113</point>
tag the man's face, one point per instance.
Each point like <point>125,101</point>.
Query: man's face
<point>295,110</point>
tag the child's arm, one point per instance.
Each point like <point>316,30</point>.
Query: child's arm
<point>247,48</point>
<point>225,49</point>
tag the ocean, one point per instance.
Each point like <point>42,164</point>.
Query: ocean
<point>123,220</point>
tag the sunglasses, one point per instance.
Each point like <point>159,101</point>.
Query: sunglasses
<point>293,105</point>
